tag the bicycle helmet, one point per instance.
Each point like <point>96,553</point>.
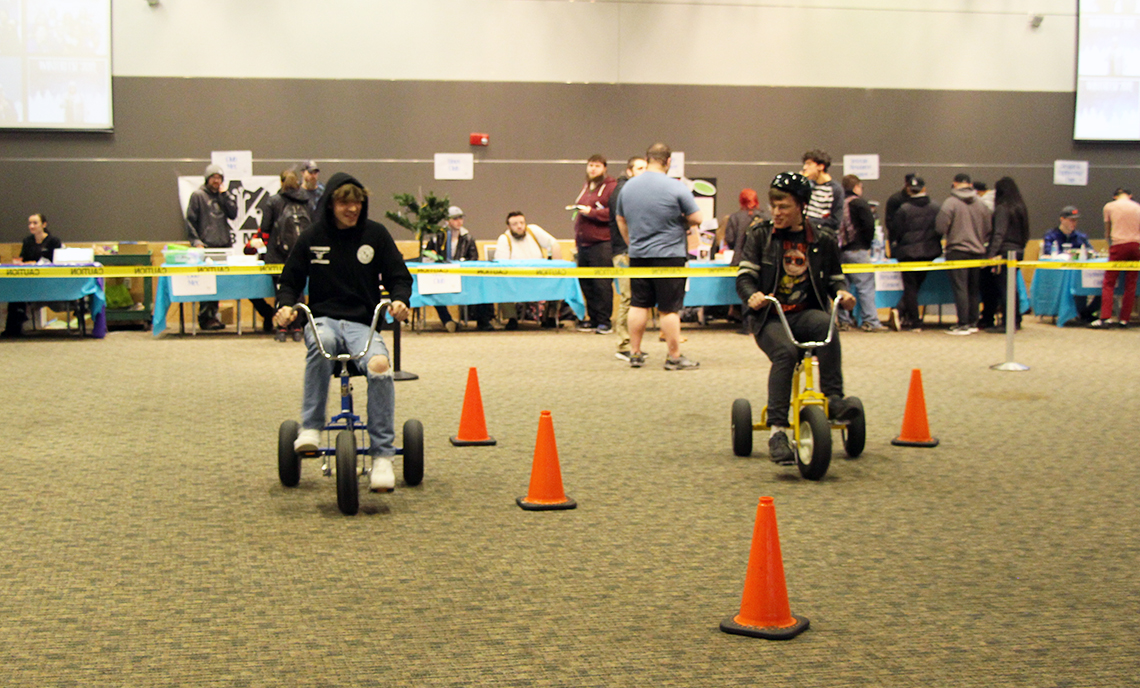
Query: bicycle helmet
<point>793,183</point>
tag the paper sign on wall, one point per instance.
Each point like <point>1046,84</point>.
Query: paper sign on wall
<point>1071,172</point>
<point>441,283</point>
<point>454,166</point>
<point>677,165</point>
<point>194,285</point>
<point>237,164</point>
<point>862,166</point>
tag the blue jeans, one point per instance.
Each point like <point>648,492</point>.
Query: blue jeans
<point>343,336</point>
<point>862,285</point>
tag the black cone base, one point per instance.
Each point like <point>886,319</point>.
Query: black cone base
<point>537,506</point>
<point>904,443</point>
<point>474,443</point>
<point>729,625</point>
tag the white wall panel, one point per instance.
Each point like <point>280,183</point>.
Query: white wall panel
<point>941,44</point>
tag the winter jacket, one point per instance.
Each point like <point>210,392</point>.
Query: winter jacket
<point>345,268</point>
<point>465,247</point>
<point>762,263</point>
<point>965,222</point>
<point>913,235</point>
<point>863,220</point>
<point>1011,231</point>
<point>278,204</point>
<point>206,217</point>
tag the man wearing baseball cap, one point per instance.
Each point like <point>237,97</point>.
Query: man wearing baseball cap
<point>1065,232</point>
<point>311,183</point>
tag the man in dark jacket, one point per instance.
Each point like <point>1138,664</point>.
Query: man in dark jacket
<point>856,232</point>
<point>790,259</point>
<point>345,258</point>
<point>914,238</point>
<point>456,244</point>
<point>592,237</point>
<point>207,215</point>
<point>286,215</point>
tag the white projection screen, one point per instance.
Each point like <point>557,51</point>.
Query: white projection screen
<point>1108,71</point>
<point>55,64</point>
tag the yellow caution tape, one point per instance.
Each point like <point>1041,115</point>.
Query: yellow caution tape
<point>506,271</point>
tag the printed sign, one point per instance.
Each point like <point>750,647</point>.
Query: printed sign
<point>430,283</point>
<point>237,164</point>
<point>888,281</point>
<point>862,166</point>
<point>454,166</point>
<point>194,285</point>
<point>1071,172</point>
<point>1092,279</point>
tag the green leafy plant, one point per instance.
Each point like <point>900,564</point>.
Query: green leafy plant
<point>429,215</point>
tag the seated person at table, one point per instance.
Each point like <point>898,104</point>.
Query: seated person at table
<point>38,244</point>
<point>856,232</point>
<point>1065,232</point>
<point>344,257</point>
<point>456,244</point>
<point>789,258</point>
<point>526,242</point>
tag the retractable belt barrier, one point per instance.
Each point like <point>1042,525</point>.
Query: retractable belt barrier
<point>658,272</point>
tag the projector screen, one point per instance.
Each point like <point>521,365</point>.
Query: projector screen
<point>1108,71</point>
<point>55,64</point>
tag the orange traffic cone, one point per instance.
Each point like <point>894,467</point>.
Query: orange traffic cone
<point>764,609</point>
<point>545,493</point>
<point>915,430</point>
<point>472,425</point>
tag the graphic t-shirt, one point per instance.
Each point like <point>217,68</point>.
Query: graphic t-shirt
<point>793,288</point>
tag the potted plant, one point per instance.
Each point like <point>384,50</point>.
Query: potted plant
<point>429,215</point>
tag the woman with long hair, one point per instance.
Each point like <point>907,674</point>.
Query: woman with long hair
<point>1011,233</point>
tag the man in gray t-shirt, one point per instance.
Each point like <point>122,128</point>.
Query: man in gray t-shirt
<point>654,213</point>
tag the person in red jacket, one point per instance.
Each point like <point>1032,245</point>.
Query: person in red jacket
<point>592,236</point>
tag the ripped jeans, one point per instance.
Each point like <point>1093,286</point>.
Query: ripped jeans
<point>344,336</point>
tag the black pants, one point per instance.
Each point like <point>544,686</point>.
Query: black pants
<point>17,314</point>
<point>992,286</point>
<point>482,312</point>
<point>966,286</point>
<point>599,293</point>
<point>207,311</point>
<point>908,304</point>
<point>807,326</point>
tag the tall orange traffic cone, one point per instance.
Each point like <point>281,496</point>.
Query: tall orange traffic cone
<point>545,493</point>
<point>472,425</point>
<point>764,611</point>
<point>915,430</point>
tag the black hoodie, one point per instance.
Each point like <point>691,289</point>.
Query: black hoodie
<point>345,268</point>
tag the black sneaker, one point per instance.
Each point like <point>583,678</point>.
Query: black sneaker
<point>681,363</point>
<point>586,326</point>
<point>779,449</point>
<point>622,356</point>
<point>512,324</point>
<point>841,409</point>
<point>636,360</point>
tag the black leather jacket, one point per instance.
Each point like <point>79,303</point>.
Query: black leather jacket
<point>762,262</point>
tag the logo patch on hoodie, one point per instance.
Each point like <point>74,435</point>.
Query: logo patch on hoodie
<point>365,254</point>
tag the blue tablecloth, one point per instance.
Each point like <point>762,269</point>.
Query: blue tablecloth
<point>37,289</point>
<point>230,288</point>
<point>1053,292</point>
<point>499,289</point>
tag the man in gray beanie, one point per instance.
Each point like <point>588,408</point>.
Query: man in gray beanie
<point>207,224</point>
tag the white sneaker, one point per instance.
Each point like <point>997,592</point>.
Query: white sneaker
<point>382,479</point>
<point>307,441</point>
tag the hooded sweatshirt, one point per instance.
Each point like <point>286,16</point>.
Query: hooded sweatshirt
<point>345,268</point>
<point>965,222</point>
<point>279,204</point>
<point>206,217</point>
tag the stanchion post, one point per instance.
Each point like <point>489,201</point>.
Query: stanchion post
<point>1010,315</point>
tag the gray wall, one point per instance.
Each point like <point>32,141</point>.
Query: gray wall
<point>122,186</point>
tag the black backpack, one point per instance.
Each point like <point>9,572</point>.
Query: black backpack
<point>294,219</point>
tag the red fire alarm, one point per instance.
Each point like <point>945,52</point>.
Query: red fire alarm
<point>480,140</point>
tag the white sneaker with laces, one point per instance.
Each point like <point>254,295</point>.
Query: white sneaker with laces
<point>307,441</point>
<point>382,478</point>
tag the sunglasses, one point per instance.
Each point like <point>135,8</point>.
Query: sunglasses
<point>794,260</point>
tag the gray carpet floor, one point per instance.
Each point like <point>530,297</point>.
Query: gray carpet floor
<point>145,538</point>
